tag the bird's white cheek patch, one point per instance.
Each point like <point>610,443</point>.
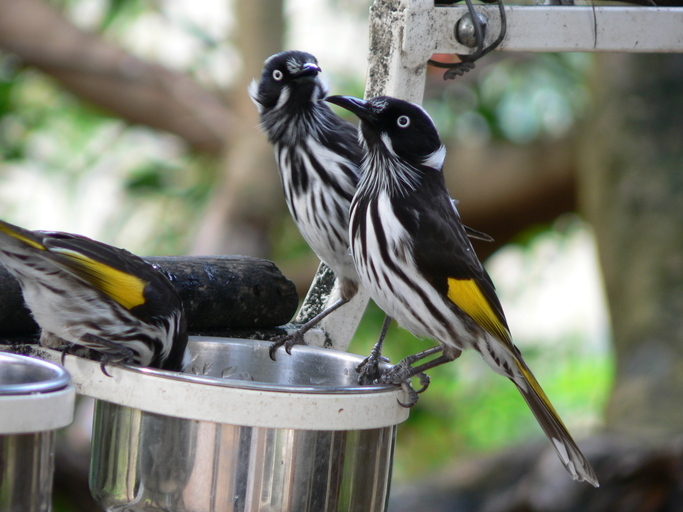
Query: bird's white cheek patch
<point>386,140</point>
<point>435,160</point>
<point>282,100</point>
<point>253,94</point>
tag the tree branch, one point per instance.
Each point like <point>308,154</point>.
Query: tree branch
<point>102,73</point>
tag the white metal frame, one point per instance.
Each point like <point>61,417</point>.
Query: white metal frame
<point>404,34</point>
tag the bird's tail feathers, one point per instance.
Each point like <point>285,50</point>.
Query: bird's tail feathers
<point>574,461</point>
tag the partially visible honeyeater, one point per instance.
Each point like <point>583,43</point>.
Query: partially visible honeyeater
<point>97,296</point>
<point>413,256</point>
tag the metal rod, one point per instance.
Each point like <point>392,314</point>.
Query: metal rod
<point>565,29</point>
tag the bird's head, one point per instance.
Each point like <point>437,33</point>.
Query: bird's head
<point>287,77</point>
<point>399,128</point>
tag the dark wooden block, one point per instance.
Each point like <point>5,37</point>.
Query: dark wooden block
<point>230,291</point>
<point>218,293</point>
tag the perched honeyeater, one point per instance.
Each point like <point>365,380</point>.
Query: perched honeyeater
<point>414,257</point>
<point>97,296</point>
<point>317,156</point>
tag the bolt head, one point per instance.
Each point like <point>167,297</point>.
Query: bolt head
<point>465,31</point>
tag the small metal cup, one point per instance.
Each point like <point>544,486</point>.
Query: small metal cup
<point>248,434</point>
<point>35,399</point>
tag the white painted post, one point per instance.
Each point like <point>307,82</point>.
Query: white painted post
<point>397,59</point>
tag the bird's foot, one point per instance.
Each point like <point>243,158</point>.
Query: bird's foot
<point>110,352</point>
<point>397,379</point>
<point>68,349</point>
<point>297,337</point>
<point>458,69</point>
<point>74,349</point>
<point>123,355</point>
<point>401,374</point>
<point>287,341</point>
<point>368,369</point>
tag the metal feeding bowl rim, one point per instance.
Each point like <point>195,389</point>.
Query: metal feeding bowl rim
<point>261,386</point>
<point>240,402</point>
<point>50,377</point>
<point>268,386</point>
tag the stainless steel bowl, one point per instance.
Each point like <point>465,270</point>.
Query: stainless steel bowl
<point>35,399</point>
<point>20,375</point>
<point>244,433</point>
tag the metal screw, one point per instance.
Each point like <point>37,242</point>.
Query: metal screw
<point>465,32</point>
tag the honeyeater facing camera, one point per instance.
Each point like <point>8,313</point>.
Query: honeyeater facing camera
<point>415,259</point>
<point>97,296</point>
<point>317,155</point>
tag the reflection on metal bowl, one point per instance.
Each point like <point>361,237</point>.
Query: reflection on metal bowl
<point>244,433</point>
<point>35,399</point>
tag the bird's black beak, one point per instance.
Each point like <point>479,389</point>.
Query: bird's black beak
<point>308,70</point>
<point>354,105</point>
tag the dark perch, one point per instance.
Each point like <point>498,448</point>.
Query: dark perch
<point>219,293</point>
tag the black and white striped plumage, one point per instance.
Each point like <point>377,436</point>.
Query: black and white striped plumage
<point>97,296</point>
<point>317,154</point>
<point>413,255</point>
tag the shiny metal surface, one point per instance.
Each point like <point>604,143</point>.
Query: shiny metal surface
<point>26,469</point>
<point>246,364</point>
<point>285,402</point>
<point>143,461</point>
<point>27,386</point>
<point>21,375</point>
<point>465,32</point>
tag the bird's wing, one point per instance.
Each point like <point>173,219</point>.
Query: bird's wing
<point>113,271</point>
<point>471,232</point>
<point>142,288</point>
<point>96,264</point>
<point>126,278</point>
<point>11,234</point>
<point>478,235</point>
<point>445,257</point>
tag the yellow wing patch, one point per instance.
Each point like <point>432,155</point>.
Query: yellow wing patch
<point>6,229</point>
<point>466,294</point>
<point>124,288</point>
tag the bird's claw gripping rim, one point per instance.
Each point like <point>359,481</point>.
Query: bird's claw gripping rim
<point>288,341</point>
<point>368,369</point>
<point>401,375</point>
<point>122,356</point>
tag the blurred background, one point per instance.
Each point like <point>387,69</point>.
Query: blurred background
<point>129,122</point>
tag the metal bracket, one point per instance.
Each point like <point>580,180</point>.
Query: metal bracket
<point>567,29</point>
<point>404,34</point>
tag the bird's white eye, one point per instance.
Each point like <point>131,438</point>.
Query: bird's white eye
<point>403,121</point>
<point>277,75</point>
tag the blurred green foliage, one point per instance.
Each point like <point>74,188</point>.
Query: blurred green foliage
<point>516,99</point>
<point>134,176</point>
